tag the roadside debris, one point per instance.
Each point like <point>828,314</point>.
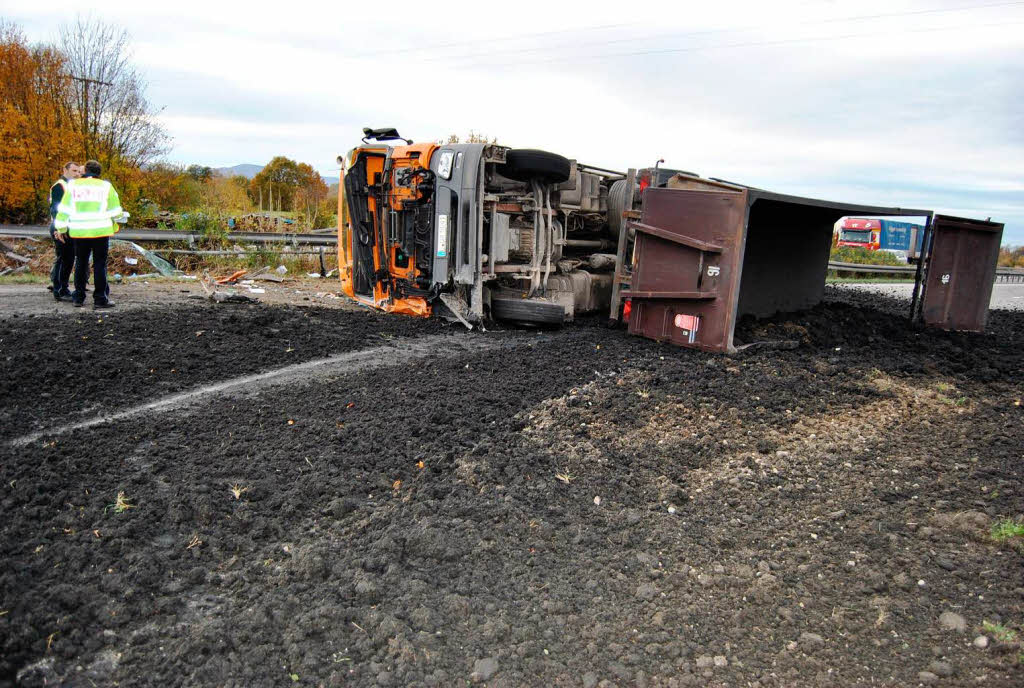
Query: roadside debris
<point>125,264</point>
<point>265,274</point>
<point>217,296</point>
<point>18,257</point>
<point>14,271</point>
<point>233,277</point>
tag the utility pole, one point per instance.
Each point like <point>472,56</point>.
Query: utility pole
<point>85,107</point>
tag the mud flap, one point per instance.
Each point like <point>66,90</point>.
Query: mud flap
<point>527,311</point>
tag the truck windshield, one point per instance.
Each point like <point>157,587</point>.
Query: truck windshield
<point>862,236</point>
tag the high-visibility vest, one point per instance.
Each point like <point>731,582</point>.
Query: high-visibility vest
<point>63,183</point>
<point>88,208</point>
<point>60,182</point>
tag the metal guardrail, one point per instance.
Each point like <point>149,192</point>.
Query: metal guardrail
<point>190,237</point>
<point>1015,275</point>
<point>1002,274</point>
<point>860,267</point>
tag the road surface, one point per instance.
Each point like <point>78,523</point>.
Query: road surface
<point>1008,296</point>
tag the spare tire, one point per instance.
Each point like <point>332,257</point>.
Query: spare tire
<point>529,311</point>
<point>524,164</point>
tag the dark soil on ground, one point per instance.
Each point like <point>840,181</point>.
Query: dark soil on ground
<point>579,508</point>
<point>55,369</point>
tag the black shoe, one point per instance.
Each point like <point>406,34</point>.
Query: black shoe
<point>101,306</point>
<point>57,296</point>
<point>78,304</point>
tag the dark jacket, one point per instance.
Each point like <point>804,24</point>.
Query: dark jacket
<point>56,195</point>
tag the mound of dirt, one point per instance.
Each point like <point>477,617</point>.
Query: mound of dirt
<point>571,508</point>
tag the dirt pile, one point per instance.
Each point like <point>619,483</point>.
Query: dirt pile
<point>574,508</point>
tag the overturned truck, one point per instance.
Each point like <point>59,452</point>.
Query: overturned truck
<point>478,231</point>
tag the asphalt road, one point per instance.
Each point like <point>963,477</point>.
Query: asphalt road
<point>1008,296</point>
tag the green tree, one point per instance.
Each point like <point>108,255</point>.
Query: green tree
<point>201,173</point>
<point>275,185</point>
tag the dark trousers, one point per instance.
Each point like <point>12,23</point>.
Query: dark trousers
<point>63,264</point>
<point>98,248</point>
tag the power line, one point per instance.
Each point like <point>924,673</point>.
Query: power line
<point>527,36</point>
<point>751,44</point>
<point>495,39</point>
<point>865,17</point>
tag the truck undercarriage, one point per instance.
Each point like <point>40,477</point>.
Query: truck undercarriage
<point>476,231</point>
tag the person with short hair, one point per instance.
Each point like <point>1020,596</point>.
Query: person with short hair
<point>63,246</point>
<point>87,214</point>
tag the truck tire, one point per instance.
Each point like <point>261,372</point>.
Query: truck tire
<point>529,311</point>
<point>524,164</point>
<point>617,204</point>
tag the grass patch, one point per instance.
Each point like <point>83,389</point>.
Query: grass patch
<point>24,278</point>
<point>855,254</point>
<point>999,632</point>
<point>121,504</point>
<point>1007,529</point>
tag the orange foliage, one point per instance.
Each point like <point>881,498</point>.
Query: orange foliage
<point>34,123</point>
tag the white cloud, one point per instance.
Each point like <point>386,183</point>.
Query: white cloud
<point>914,103</point>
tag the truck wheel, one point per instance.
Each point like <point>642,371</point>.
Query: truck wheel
<point>524,164</point>
<point>617,204</point>
<point>530,311</point>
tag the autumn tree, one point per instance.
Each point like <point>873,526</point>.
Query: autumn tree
<point>35,124</point>
<point>75,100</point>
<point>274,186</point>
<point>224,195</point>
<point>170,187</point>
<point>116,123</point>
<point>472,137</point>
<point>310,195</point>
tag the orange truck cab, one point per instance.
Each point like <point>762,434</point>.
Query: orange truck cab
<point>384,239</point>
<point>475,231</point>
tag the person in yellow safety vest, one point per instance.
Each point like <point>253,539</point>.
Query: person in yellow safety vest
<point>87,213</point>
<point>63,247</point>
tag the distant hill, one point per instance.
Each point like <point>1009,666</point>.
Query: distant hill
<point>249,171</point>
<point>246,170</point>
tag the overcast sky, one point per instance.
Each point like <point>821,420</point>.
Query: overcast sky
<point>903,102</point>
